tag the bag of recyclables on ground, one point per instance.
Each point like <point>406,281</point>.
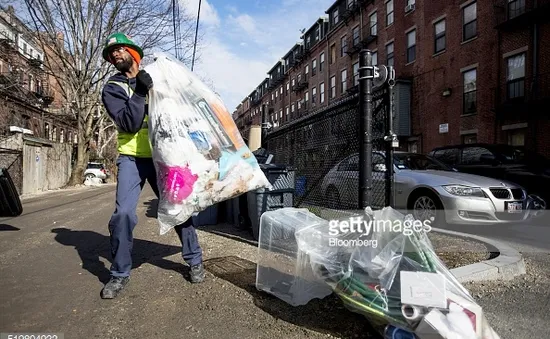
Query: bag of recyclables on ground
<point>198,152</point>
<point>388,272</point>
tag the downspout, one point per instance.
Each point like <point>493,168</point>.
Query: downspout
<point>498,94</point>
<point>535,85</point>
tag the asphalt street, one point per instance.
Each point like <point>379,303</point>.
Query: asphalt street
<point>54,260</point>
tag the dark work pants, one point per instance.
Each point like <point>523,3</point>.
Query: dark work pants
<point>132,174</point>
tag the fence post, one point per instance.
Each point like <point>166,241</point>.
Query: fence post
<point>390,138</point>
<point>366,73</point>
<point>264,128</point>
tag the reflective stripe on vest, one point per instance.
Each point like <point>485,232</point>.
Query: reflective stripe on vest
<point>134,144</point>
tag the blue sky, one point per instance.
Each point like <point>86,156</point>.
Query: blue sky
<point>245,38</point>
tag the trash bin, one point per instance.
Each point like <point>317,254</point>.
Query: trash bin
<point>209,216</point>
<point>283,180</point>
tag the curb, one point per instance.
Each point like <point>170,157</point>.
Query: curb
<point>508,264</point>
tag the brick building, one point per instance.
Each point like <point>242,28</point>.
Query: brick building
<point>472,67</point>
<point>31,97</point>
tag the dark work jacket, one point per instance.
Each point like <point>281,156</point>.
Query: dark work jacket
<point>127,112</point>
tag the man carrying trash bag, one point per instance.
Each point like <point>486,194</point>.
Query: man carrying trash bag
<point>125,99</point>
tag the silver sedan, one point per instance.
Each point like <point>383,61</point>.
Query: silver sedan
<point>429,189</point>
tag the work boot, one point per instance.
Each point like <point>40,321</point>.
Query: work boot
<point>114,287</point>
<point>196,273</point>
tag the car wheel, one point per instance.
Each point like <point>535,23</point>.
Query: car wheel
<point>427,206</point>
<point>333,198</point>
<point>90,176</point>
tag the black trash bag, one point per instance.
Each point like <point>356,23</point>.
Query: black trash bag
<point>10,203</point>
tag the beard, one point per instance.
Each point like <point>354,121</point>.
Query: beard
<point>125,65</point>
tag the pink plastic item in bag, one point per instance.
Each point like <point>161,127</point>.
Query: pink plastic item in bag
<point>179,184</point>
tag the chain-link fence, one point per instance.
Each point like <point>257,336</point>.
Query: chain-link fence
<point>324,148</point>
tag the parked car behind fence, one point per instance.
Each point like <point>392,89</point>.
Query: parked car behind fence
<point>503,162</point>
<point>430,189</point>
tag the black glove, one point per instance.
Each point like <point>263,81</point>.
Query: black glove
<point>143,83</point>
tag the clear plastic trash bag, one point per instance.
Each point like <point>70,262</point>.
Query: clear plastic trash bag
<point>198,151</point>
<point>388,271</point>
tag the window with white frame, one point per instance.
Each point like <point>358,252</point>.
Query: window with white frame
<point>389,54</point>
<point>389,12</point>
<point>375,58</point>
<point>343,45</point>
<point>333,87</point>
<point>355,69</point>
<point>322,92</point>
<point>344,81</point>
<point>335,17</point>
<point>515,76</point>
<point>469,79</point>
<point>313,67</point>
<point>469,22</point>
<point>313,95</point>
<point>321,61</point>
<point>411,46</point>
<point>440,43</point>
<point>373,24</point>
<point>307,69</point>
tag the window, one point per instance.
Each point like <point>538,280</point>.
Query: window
<point>306,99</point>
<point>335,18</point>
<point>293,82</point>
<point>281,92</point>
<point>448,156</point>
<point>374,58</point>
<point>292,109</point>
<point>307,69</point>
<point>343,45</point>
<point>321,61</point>
<point>313,95</point>
<point>287,87</point>
<point>472,155</point>
<point>469,138</point>
<point>515,77</point>
<point>343,81</point>
<point>287,112</point>
<point>333,87</point>
<point>281,114</point>
<point>389,12</point>
<point>470,93</point>
<point>356,36</point>
<point>322,92</point>
<point>313,67</point>
<point>469,16</point>
<point>389,54</point>
<point>355,74</point>
<point>516,137</point>
<point>439,33</point>
<point>411,46</point>
<point>515,8</point>
<point>332,54</point>
<point>373,24</point>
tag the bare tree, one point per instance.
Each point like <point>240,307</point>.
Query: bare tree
<point>72,34</point>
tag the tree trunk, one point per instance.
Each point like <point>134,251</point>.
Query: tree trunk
<point>77,174</point>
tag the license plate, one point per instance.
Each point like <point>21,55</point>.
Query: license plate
<point>515,207</point>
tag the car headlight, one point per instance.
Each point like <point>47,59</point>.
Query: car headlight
<point>464,191</point>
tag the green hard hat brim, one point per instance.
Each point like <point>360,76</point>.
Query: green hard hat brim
<point>136,47</point>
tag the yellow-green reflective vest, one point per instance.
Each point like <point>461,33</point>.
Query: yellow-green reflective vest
<point>134,144</point>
